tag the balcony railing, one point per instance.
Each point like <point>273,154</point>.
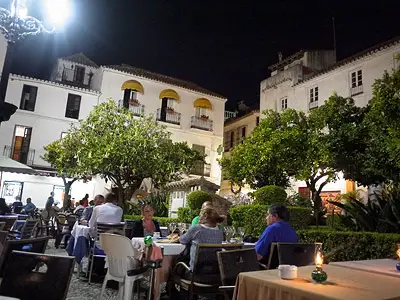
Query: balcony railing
<point>357,90</point>
<point>202,123</point>
<point>137,109</point>
<point>71,77</point>
<point>25,157</point>
<point>312,105</point>
<point>172,117</point>
<point>202,169</point>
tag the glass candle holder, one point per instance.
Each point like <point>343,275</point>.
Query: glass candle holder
<point>319,275</point>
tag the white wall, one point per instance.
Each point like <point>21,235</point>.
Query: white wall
<point>111,88</point>
<point>48,119</point>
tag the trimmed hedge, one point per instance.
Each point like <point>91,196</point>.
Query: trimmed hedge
<point>270,194</point>
<point>186,215</point>
<point>252,217</point>
<point>195,199</point>
<point>343,246</point>
<point>162,220</point>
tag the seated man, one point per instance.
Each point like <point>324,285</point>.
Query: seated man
<point>195,220</point>
<point>29,208</point>
<point>108,212</point>
<point>87,213</point>
<point>278,230</point>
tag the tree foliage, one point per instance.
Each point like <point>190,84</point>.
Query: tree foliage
<point>125,149</point>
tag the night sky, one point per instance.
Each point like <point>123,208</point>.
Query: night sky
<point>224,46</point>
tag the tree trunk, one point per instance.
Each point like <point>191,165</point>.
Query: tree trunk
<point>317,204</point>
<point>67,189</point>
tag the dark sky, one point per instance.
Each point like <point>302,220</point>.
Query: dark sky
<point>224,46</point>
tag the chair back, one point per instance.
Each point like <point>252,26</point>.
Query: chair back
<point>18,209</point>
<point>26,277</point>
<point>28,229</point>
<point>206,261</point>
<point>296,254</point>
<point>9,222</point>
<point>118,249</point>
<point>2,225</point>
<point>37,245</point>
<point>18,225</point>
<point>233,262</point>
<point>129,228</point>
<point>79,212</point>
<point>117,228</point>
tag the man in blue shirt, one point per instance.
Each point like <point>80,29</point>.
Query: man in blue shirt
<point>278,230</point>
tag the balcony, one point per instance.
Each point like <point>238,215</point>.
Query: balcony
<point>171,117</point>
<point>22,156</point>
<point>202,123</point>
<point>356,90</point>
<point>201,169</point>
<point>135,107</point>
<point>312,105</point>
<point>77,78</point>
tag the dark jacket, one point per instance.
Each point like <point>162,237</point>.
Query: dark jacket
<point>138,230</point>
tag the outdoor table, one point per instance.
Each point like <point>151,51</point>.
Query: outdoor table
<point>379,266</point>
<point>342,283</point>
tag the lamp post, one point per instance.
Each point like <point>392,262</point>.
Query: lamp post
<point>15,24</point>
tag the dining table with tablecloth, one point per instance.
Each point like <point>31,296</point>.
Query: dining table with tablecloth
<point>342,283</point>
<point>380,266</point>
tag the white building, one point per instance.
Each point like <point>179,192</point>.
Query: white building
<point>47,108</point>
<point>306,79</point>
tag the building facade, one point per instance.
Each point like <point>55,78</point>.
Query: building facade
<point>306,79</point>
<point>235,130</point>
<point>48,107</point>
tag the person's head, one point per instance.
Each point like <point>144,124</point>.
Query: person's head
<point>28,200</point>
<point>99,199</point>
<point>277,212</point>
<point>86,196</point>
<point>210,216</point>
<point>18,198</point>
<point>81,202</point>
<point>52,194</point>
<point>206,204</point>
<point>147,211</point>
<point>77,204</point>
<point>111,198</point>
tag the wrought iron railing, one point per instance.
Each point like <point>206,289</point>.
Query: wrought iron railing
<point>172,117</point>
<point>357,90</point>
<point>136,109</point>
<point>201,169</point>
<point>202,123</point>
<point>71,77</point>
<point>312,105</point>
<point>25,157</point>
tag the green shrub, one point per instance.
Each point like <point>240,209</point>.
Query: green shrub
<point>186,215</point>
<point>162,220</point>
<point>270,194</point>
<point>252,217</point>
<point>343,246</point>
<point>196,199</point>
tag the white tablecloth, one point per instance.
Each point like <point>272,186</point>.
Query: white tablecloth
<point>379,266</point>
<point>80,230</point>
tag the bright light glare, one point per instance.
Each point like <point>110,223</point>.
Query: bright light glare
<point>58,11</point>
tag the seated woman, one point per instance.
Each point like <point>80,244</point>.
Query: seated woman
<point>206,232</point>
<point>146,226</point>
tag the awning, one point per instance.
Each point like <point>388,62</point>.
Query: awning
<point>133,85</point>
<point>170,94</point>
<point>203,103</point>
<point>9,165</point>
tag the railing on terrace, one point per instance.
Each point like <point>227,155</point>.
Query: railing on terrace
<point>24,157</point>
<point>172,117</point>
<point>202,123</point>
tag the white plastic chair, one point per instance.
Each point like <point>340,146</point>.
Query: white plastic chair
<point>119,251</point>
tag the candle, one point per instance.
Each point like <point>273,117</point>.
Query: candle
<point>319,275</point>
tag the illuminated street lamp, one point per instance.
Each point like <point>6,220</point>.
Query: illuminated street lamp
<point>15,24</point>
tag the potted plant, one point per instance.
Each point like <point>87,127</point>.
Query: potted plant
<point>204,117</point>
<point>133,102</point>
<point>170,110</point>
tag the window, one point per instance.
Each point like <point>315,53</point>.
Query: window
<point>356,83</point>
<point>73,106</point>
<point>283,103</point>
<point>313,103</point>
<point>356,78</point>
<point>243,134</point>
<point>28,98</point>
<point>201,112</point>
<point>257,121</point>
<point>232,139</point>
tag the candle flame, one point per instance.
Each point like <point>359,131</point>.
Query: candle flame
<point>319,260</point>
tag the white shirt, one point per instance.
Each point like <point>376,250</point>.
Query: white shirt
<point>105,213</point>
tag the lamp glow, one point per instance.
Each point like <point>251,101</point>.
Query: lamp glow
<point>319,275</point>
<point>58,11</point>
<point>319,260</point>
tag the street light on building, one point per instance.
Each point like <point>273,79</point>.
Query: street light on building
<point>16,24</point>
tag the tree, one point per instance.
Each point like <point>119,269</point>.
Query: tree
<point>61,154</point>
<point>284,145</point>
<point>126,149</point>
